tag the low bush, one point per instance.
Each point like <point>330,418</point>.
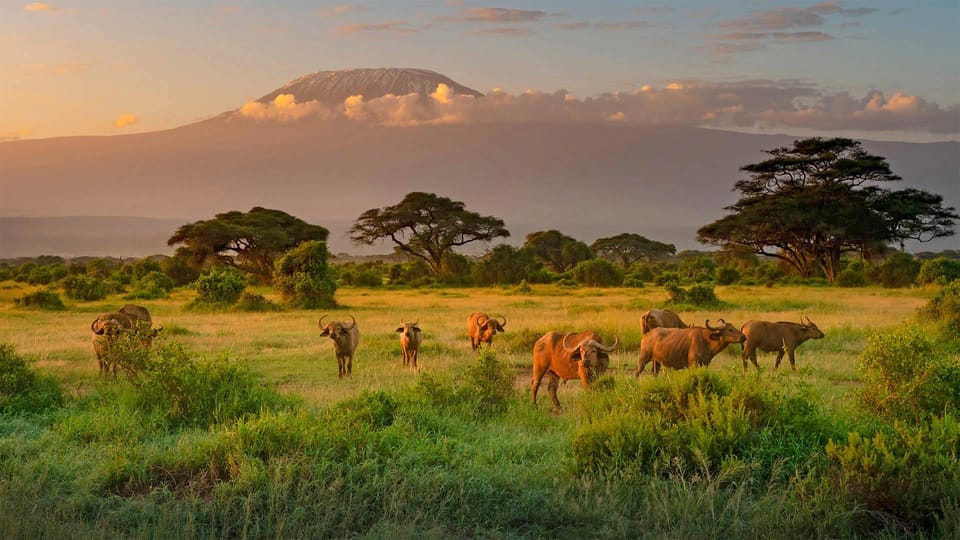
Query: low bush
<point>488,385</point>
<point>598,273</point>
<point>151,285</point>
<point>220,287</point>
<point>898,270</point>
<point>47,300</point>
<point>23,390</point>
<point>851,277</point>
<point>696,295</point>
<point>939,271</point>
<point>255,302</point>
<point>200,393</point>
<point>944,309</point>
<point>727,275</point>
<point>902,477</point>
<point>304,278</point>
<point>906,376</point>
<point>84,288</point>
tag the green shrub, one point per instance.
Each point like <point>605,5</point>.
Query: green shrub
<point>898,270</point>
<point>23,390</point>
<point>304,278</point>
<point>633,282</point>
<point>200,393</point>
<point>47,300</point>
<point>903,476</point>
<point>150,286</point>
<point>220,286</point>
<point>84,288</point>
<point>939,271</point>
<point>852,277</point>
<point>696,295</point>
<point>906,377</point>
<point>45,275</point>
<point>488,385</point>
<point>255,302</point>
<point>666,278</point>
<point>598,273</point>
<point>131,352</point>
<point>727,275</point>
<point>944,308</point>
<point>567,283</point>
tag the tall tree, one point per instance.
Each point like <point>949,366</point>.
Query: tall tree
<point>558,251</point>
<point>628,248</point>
<point>248,241</point>
<point>426,226</point>
<point>812,202</point>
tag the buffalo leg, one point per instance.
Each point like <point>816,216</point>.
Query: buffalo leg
<point>779,358</point>
<point>793,363</point>
<point>535,385</point>
<point>413,358</point>
<point>749,352</point>
<point>642,363</point>
<point>339,367</point>
<point>552,388</point>
<point>350,365</point>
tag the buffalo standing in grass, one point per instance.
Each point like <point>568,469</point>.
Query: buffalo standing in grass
<point>783,337</point>
<point>345,338</point>
<point>410,338</point>
<point>660,318</point>
<point>482,328</point>
<point>568,356</point>
<point>107,326</point>
<point>680,348</point>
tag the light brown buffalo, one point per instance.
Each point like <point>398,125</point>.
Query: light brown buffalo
<point>345,338</point>
<point>481,329</point>
<point>107,326</point>
<point>660,318</point>
<point>690,347</point>
<point>568,356</point>
<point>410,338</point>
<point>783,337</point>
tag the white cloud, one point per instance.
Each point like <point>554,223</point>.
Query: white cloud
<point>753,104</point>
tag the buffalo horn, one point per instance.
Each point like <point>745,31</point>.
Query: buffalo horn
<point>609,348</point>
<point>504,323</point>
<point>94,323</point>
<point>565,347</point>
<point>320,322</point>
<point>711,327</point>
<point>352,325</point>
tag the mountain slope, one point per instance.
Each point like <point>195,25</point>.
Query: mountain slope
<point>332,87</point>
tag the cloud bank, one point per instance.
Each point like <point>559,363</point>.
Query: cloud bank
<point>125,120</point>
<point>754,104</point>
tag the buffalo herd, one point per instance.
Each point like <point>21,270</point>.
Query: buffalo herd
<point>666,341</point>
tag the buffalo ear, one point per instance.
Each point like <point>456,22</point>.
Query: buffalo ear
<point>326,332</point>
<point>575,356</point>
<point>399,329</point>
<point>715,335</point>
<point>416,328</point>
<point>500,328</point>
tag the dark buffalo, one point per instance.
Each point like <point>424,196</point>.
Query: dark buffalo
<point>568,356</point>
<point>481,329</point>
<point>660,318</point>
<point>345,338</point>
<point>690,347</point>
<point>107,326</point>
<point>783,337</point>
<point>410,338</point>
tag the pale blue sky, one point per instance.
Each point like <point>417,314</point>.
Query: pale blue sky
<point>77,68</point>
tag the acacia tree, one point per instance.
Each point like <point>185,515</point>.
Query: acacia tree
<point>812,202</point>
<point>558,251</point>
<point>249,242</point>
<point>628,248</point>
<point>426,226</point>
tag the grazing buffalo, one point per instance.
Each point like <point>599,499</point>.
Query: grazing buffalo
<point>107,326</point>
<point>568,356</point>
<point>783,337</point>
<point>482,328</point>
<point>660,318</point>
<point>690,347</point>
<point>410,338</point>
<point>345,338</point>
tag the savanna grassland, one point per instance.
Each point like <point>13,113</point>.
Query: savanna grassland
<point>260,439</point>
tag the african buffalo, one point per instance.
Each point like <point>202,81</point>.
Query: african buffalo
<point>345,340</point>
<point>660,318</point>
<point>783,337</point>
<point>107,326</point>
<point>482,328</point>
<point>410,338</point>
<point>568,356</point>
<point>690,347</point>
